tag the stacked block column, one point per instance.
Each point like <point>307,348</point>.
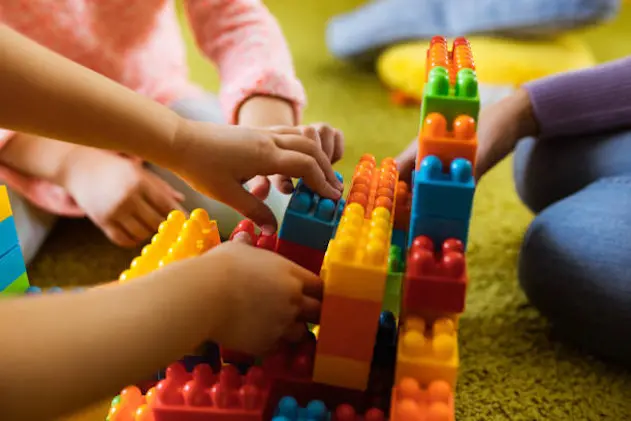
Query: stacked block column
<point>354,274</point>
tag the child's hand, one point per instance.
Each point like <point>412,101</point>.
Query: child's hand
<point>330,140</point>
<point>219,159</point>
<point>500,127</point>
<point>121,197</point>
<point>266,297</point>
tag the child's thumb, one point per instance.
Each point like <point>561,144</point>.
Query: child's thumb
<point>252,208</point>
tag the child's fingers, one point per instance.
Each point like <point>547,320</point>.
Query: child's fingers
<point>296,164</point>
<point>295,332</point>
<point>406,161</point>
<point>282,183</point>
<point>155,193</point>
<point>149,216</point>
<point>310,310</point>
<point>245,227</point>
<point>309,148</point>
<point>338,143</point>
<point>259,186</point>
<point>117,235</point>
<point>135,228</point>
<point>324,135</point>
<point>248,205</point>
<point>242,237</point>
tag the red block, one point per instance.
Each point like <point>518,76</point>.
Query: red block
<point>434,282</point>
<point>267,242</point>
<point>234,357</point>
<point>348,327</point>
<point>308,258</point>
<point>202,395</point>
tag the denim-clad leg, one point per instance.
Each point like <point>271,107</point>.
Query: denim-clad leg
<point>575,262</point>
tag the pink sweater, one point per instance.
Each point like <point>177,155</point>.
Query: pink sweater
<point>138,43</point>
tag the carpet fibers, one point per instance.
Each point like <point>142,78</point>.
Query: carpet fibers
<point>511,366</point>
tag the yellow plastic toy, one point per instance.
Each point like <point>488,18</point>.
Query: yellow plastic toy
<point>498,62</point>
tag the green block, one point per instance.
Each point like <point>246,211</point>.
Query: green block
<point>396,263</point>
<point>17,287</point>
<point>393,293</point>
<point>450,101</point>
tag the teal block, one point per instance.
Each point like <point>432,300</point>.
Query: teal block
<point>8,235</point>
<point>11,267</point>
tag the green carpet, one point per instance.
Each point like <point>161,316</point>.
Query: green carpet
<point>510,367</point>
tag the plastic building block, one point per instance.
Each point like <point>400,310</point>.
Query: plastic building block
<point>348,413</point>
<point>399,238</point>
<point>461,141</point>
<point>5,205</point>
<point>308,258</point>
<point>444,195</point>
<point>348,328</point>
<point>342,372</point>
<point>385,345</point>
<point>309,219</point>
<point>402,207</point>
<point>289,410</point>
<point>11,267</point>
<point>451,86</point>
<point>8,235</point>
<point>131,405</point>
<point>268,242</point>
<point>374,187</point>
<point>427,352</point>
<point>435,282</point>
<point>17,287</point>
<point>356,263</point>
<point>177,239</point>
<point>410,402</point>
<point>394,280</point>
<point>203,395</point>
<point>439,230</point>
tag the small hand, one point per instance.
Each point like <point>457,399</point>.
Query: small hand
<point>218,159</point>
<point>268,299</point>
<point>329,139</point>
<point>125,200</point>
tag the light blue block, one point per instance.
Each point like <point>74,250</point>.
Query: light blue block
<point>11,266</point>
<point>310,220</point>
<point>439,230</point>
<point>8,235</point>
<point>289,410</point>
<point>441,194</point>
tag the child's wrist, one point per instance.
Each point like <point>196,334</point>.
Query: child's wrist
<point>527,125</point>
<point>265,111</point>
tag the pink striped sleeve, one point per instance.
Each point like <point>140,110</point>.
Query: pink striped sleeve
<point>246,43</point>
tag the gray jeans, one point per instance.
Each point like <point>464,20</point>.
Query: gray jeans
<point>34,225</point>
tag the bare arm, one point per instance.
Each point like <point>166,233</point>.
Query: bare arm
<point>57,98</point>
<point>72,349</point>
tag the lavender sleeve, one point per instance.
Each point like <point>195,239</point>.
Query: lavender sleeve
<point>583,102</point>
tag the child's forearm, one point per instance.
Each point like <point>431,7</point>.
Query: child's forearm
<point>37,156</point>
<point>69,350</point>
<point>48,95</point>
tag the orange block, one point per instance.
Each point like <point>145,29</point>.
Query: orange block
<point>410,402</point>
<point>348,327</point>
<point>459,142</point>
<point>341,372</point>
<point>427,352</point>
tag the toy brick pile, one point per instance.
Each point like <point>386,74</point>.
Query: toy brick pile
<point>392,258</point>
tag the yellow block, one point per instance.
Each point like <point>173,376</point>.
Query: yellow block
<point>341,372</point>
<point>177,239</point>
<point>5,206</point>
<point>428,353</point>
<point>356,261</point>
<point>498,61</point>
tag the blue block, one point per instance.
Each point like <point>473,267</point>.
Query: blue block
<point>385,350</point>
<point>441,194</point>
<point>439,230</point>
<point>310,220</point>
<point>399,239</point>
<point>289,410</point>
<point>11,266</point>
<point>8,235</point>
